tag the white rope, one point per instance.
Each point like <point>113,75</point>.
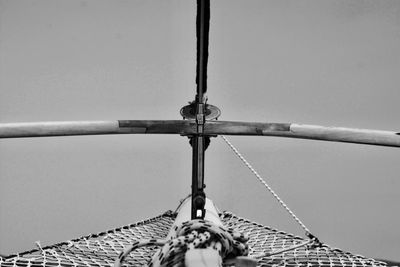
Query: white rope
<point>191,234</point>
<point>265,184</point>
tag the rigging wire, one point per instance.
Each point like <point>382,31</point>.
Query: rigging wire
<point>283,204</point>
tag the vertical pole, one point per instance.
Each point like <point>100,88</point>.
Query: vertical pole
<point>202,33</point>
<point>198,195</point>
<point>198,141</point>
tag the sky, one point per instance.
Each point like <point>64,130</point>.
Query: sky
<point>331,63</point>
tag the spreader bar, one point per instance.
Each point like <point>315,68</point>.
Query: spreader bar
<point>211,128</point>
<point>304,131</point>
<point>42,129</point>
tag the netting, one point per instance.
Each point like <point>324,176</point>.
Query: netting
<point>102,249</point>
<point>265,240</point>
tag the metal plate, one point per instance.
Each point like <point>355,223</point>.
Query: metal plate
<point>189,112</point>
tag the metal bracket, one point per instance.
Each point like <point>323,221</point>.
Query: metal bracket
<point>211,112</point>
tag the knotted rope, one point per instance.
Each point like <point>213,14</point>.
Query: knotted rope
<point>190,235</point>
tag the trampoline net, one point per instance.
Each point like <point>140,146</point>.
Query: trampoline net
<point>101,249</point>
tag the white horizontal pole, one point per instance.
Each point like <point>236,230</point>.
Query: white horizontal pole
<point>303,131</point>
<point>42,129</point>
<point>350,135</point>
<point>38,129</point>
<point>211,128</point>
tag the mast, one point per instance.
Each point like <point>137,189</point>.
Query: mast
<point>198,141</point>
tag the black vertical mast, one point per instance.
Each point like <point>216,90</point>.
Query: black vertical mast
<point>199,140</point>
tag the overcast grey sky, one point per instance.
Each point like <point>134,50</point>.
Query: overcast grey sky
<point>334,63</point>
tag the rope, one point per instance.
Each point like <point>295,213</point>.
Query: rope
<point>283,204</point>
<point>195,234</point>
<point>190,235</point>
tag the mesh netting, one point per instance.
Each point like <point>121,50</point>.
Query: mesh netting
<point>101,249</point>
<point>97,249</point>
<point>265,239</point>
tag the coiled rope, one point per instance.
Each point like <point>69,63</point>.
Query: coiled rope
<point>231,245</point>
<point>190,235</point>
